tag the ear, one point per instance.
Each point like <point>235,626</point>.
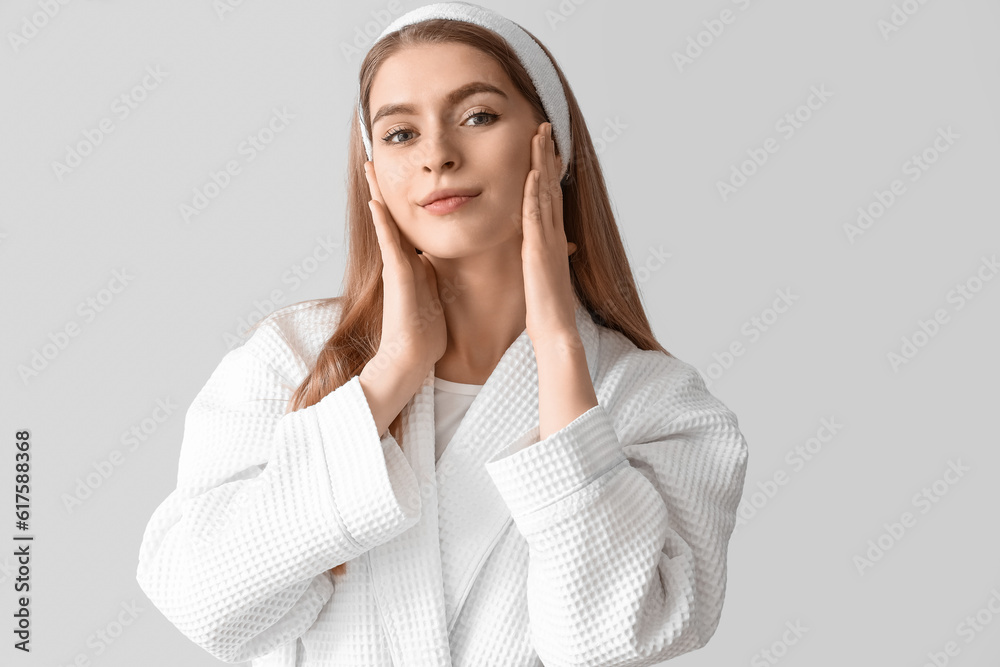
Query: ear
<point>570,247</point>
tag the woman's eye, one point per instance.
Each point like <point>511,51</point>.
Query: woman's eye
<point>485,116</point>
<point>490,117</point>
<point>389,137</point>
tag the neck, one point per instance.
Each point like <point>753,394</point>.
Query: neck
<point>483,302</point>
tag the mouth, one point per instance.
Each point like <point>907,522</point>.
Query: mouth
<point>448,204</point>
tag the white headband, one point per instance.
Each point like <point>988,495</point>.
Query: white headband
<point>533,58</point>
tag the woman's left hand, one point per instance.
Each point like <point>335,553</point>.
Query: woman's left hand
<point>548,291</point>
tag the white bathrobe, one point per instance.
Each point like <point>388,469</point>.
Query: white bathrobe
<point>603,544</point>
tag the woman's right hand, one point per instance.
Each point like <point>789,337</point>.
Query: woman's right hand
<point>414,333</point>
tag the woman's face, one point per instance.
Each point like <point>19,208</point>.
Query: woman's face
<point>446,138</point>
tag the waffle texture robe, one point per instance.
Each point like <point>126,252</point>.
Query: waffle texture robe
<point>603,544</point>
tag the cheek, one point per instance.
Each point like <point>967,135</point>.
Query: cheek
<point>515,154</point>
<point>392,177</point>
<point>511,163</point>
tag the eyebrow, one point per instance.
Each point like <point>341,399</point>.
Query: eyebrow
<point>453,98</point>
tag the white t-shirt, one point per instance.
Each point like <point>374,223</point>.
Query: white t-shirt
<point>451,402</point>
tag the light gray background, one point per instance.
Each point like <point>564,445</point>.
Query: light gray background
<point>679,133</point>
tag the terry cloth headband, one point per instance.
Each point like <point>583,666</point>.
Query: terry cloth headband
<point>533,58</point>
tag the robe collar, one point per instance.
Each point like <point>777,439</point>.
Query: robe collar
<point>422,576</point>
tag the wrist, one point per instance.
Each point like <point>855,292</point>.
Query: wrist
<point>399,379</point>
<point>388,385</point>
<point>392,371</point>
<point>558,343</point>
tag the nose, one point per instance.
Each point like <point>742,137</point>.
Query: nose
<point>441,152</point>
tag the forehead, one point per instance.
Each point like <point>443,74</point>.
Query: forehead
<point>427,72</point>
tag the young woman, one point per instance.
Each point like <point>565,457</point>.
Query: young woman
<point>478,454</point>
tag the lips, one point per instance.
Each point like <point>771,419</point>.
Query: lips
<point>447,205</point>
<point>447,193</point>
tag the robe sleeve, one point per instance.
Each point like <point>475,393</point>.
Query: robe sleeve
<point>627,540</point>
<point>236,557</point>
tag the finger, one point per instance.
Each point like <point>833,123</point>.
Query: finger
<point>402,243</point>
<point>387,238</point>
<point>541,191</point>
<point>376,194</point>
<point>373,181</point>
<point>381,232</point>
<point>526,207</point>
<point>397,237</point>
<point>554,188</point>
<point>545,193</point>
<point>406,247</point>
<point>538,148</point>
<point>531,217</point>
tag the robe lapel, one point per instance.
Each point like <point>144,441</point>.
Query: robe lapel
<point>422,577</point>
<point>406,570</point>
<point>472,516</point>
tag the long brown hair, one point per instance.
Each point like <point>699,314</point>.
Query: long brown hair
<point>599,268</point>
